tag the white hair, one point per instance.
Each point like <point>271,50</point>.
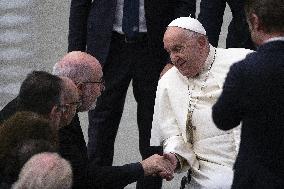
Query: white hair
<point>45,171</point>
<point>77,66</point>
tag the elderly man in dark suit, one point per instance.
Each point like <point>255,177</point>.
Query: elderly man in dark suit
<point>86,73</point>
<point>253,94</point>
<point>126,38</point>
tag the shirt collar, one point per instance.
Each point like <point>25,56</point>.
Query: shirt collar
<point>275,39</point>
<point>208,62</point>
<point>209,58</point>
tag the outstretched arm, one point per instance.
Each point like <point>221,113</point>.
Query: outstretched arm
<point>119,176</point>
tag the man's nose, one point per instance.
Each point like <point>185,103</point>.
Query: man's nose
<point>173,57</point>
<point>102,87</point>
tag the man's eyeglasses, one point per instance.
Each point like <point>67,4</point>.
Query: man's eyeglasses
<point>101,82</point>
<point>66,105</point>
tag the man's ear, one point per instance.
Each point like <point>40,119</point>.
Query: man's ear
<point>55,116</point>
<point>201,41</point>
<point>55,110</point>
<point>255,23</point>
<point>80,88</point>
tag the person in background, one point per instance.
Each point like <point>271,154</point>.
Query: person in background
<point>253,95</point>
<point>211,17</point>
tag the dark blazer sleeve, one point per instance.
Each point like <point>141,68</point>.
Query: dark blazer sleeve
<point>78,21</point>
<point>226,112</point>
<point>75,156</point>
<point>113,177</point>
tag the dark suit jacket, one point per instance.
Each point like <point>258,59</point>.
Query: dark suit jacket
<point>253,94</point>
<point>72,147</point>
<point>91,25</point>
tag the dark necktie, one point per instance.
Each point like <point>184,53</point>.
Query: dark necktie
<point>130,21</point>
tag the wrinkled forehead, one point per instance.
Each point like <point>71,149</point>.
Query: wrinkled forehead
<point>175,32</point>
<point>176,35</point>
<point>94,73</point>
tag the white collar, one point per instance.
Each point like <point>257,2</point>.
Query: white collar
<point>275,39</point>
<point>209,60</point>
<point>207,64</point>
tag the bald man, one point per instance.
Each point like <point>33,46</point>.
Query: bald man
<point>86,73</point>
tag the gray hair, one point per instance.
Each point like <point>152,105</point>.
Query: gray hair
<point>45,171</point>
<point>77,66</point>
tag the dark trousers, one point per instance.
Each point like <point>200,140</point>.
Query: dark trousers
<point>126,61</point>
<point>255,176</point>
<point>211,17</point>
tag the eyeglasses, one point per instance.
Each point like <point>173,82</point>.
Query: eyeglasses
<point>66,105</point>
<point>101,82</point>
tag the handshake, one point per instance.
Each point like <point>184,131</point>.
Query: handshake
<point>164,166</point>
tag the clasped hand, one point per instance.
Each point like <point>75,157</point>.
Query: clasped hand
<point>163,166</point>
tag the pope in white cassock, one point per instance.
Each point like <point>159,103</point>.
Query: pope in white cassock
<point>182,121</point>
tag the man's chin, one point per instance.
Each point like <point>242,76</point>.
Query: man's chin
<point>93,105</point>
<point>87,107</point>
<point>82,109</point>
<point>188,73</point>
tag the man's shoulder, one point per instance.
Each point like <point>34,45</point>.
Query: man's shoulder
<point>8,110</point>
<point>73,127</point>
<point>232,55</point>
<point>171,76</point>
<point>226,58</point>
<point>249,62</point>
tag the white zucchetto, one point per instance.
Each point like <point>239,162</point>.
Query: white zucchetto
<point>189,24</point>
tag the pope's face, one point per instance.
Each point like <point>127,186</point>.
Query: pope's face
<point>183,50</point>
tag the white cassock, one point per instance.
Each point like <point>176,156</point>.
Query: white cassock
<point>213,152</point>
